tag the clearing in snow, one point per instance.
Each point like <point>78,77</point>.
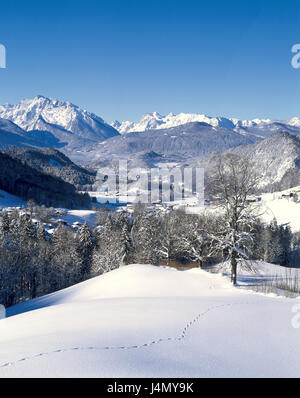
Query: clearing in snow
<point>147,321</point>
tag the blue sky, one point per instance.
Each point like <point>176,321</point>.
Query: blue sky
<point>123,58</point>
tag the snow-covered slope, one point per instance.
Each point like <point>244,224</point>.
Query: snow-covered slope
<point>11,134</point>
<point>285,209</point>
<point>8,200</point>
<point>259,127</point>
<point>53,162</point>
<point>276,160</point>
<point>58,117</point>
<point>146,321</point>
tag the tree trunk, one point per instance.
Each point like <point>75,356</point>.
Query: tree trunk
<point>233,267</point>
<point>33,287</point>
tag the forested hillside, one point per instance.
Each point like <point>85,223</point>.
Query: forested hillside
<point>55,163</point>
<point>28,183</point>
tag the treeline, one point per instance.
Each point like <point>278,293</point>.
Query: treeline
<point>276,244</point>
<point>28,183</point>
<point>34,263</point>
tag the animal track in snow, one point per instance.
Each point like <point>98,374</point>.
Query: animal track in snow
<point>140,346</point>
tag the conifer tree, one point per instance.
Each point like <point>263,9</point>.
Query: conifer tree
<point>85,248</point>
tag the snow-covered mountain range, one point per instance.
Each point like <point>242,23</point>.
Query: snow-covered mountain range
<point>187,137</point>
<point>72,126</point>
<point>62,118</point>
<point>259,127</point>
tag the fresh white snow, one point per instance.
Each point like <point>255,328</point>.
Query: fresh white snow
<point>147,321</point>
<point>156,121</point>
<point>58,117</point>
<point>81,216</point>
<point>27,112</point>
<point>284,209</point>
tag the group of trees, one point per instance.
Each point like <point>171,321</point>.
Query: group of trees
<point>34,262</point>
<point>275,244</point>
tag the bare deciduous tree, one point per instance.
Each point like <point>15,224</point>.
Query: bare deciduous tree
<point>230,186</point>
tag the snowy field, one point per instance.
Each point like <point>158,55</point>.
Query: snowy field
<point>285,210</point>
<point>146,321</point>
<point>81,216</point>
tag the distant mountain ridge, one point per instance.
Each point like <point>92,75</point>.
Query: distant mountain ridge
<point>195,139</point>
<point>259,127</point>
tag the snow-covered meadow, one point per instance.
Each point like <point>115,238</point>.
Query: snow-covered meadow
<point>277,205</point>
<point>147,321</point>
<point>284,209</point>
